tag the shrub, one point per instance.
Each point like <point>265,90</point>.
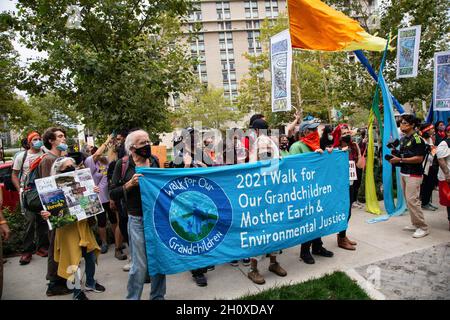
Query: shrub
<point>16,222</point>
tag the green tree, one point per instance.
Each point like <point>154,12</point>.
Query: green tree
<point>208,105</point>
<point>116,65</point>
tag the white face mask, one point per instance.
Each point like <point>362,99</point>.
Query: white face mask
<point>330,137</point>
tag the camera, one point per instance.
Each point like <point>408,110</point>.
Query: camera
<point>393,144</point>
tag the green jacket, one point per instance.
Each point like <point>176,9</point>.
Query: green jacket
<point>299,147</point>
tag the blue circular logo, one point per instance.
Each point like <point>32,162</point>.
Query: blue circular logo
<point>192,215</point>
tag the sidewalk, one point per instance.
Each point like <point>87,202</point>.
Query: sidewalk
<point>376,242</point>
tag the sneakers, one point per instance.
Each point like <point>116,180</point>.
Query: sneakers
<point>104,248</point>
<point>409,228</point>
<point>433,206</point>
<point>307,258</point>
<point>420,233</point>
<point>25,258</point>
<point>120,255</point>
<point>246,262</point>
<point>127,267</point>
<point>210,268</point>
<point>200,280</point>
<point>81,296</point>
<point>97,288</point>
<point>42,252</point>
<point>322,252</point>
<point>256,277</point>
<point>429,207</point>
<point>57,290</point>
<point>234,263</point>
<point>277,269</point>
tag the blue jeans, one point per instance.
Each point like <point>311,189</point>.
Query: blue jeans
<point>89,260</point>
<point>138,271</point>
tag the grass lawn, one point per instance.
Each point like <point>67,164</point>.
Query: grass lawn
<point>335,286</point>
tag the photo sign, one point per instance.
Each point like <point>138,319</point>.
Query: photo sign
<point>69,197</point>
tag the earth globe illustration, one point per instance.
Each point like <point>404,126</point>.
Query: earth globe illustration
<point>193,215</point>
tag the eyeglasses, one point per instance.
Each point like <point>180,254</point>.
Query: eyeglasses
<point>404,123</point>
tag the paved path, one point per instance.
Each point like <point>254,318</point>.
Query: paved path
<point>424,274</point>
<point>376,242</point>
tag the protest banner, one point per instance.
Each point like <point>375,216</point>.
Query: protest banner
<point>281,65</point>
<point>441,81</point>
<point>408,42</point>
<point>69,197</point>
<point>207,216</point>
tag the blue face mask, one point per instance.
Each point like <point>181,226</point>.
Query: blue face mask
<point>62,147</point>
<point>37,144</point>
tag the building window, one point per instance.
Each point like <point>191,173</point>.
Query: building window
<point>253,24</point>
<point>271,8</point>
<point>251,9</point>
<point>196,13</point>
<point>225,25</point>
<point>253,41</point>
<point>198,51</point>
<point>223,10</point>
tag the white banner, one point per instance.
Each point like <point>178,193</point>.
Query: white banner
<point>408,42</point>
<point>441,92</point>
<point>281,66</point>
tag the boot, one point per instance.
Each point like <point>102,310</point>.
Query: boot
<point>353,243</point>
<point>256,277</point>
<point>344,244</point>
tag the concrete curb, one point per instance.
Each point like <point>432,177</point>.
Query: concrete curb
<point>367,286</point>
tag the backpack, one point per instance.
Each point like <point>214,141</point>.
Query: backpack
<point>30,195</point>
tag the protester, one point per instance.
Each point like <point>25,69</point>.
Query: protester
<point>114,154</point>
<point>55,141</point>
<point>208,148</point>
<point>74,241</point>
<point>292,129</point>
<point>326,140</point>
<point>249,138</point>
<point>443,156</point>
<point>5,233</point>
<point>98,164</point>
<point>125,187</point>
<point>192,156</point>
<point>431,167</point>
<point>440,136</point>
<point>362,144</point>
<point>346,144</point>
<point>263,148</point>
<point>309,141</point>
<point>412,151</point>
<point>284,145</point>
<point>35,226</point>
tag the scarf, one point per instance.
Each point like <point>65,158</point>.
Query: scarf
<point>312,140</point>
<point>441,134</point>
<point>337,135</point>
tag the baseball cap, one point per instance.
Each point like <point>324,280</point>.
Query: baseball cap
<point>308,125</point>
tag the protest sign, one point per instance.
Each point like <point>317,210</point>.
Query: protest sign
<point>281,65</point>
<point>206,216</point>
<point>408,42</point>
<point>69,197</point>
<point>442,81</point>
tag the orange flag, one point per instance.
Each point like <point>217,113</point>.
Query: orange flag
<point>316,26</point>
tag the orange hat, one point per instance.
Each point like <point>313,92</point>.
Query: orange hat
<point>32,135</point>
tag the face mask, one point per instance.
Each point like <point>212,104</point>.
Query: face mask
<point>441,128</point>
<point>37,144</point>
<point>68,169</point>
<point>144,152</point>
<point>330,137</point>
<point>62,147</point>
<point>347,138</point>
<point>284,146</point>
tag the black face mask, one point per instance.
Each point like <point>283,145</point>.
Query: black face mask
<point>347,138</point>
<point>68,169</point>
<point>284,146</point>
<point>144,152</point>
